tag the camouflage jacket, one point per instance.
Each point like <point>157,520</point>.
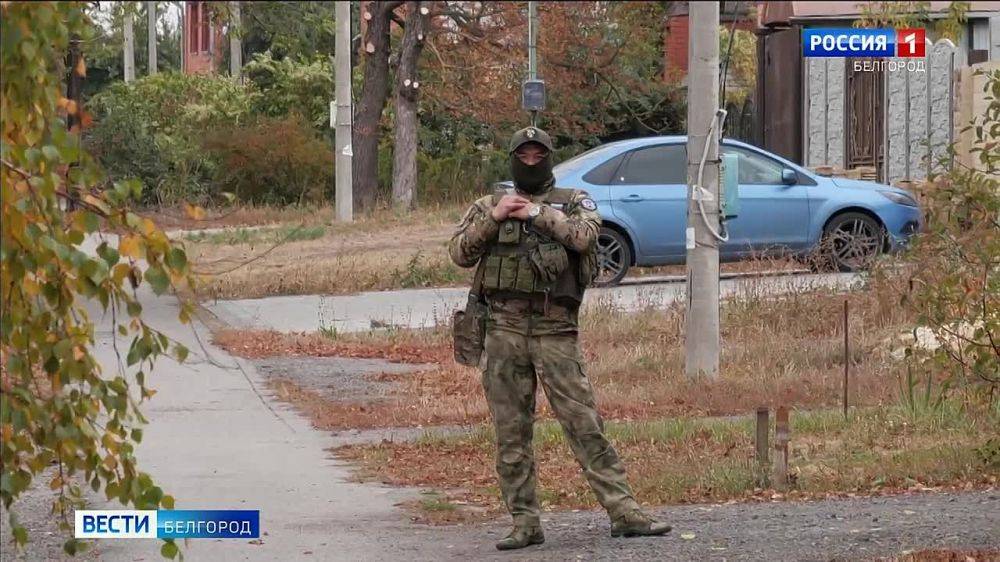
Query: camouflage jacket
<point>576,229</point>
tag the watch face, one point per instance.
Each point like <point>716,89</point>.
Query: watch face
<point>535,211</point>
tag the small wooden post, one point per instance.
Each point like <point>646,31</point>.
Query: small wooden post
<point>847,358</point>
<point>763,428</point>
<point>781,437</point>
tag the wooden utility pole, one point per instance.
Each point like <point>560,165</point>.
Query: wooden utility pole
<point>235,43</point>
<point>701,345</point>
<point>129,49</point>
<point>344,186</point>
<point>151,24</point>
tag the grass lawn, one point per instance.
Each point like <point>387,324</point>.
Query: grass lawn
<point>306,252</point>
<point>877,450</point>
<point>682,440</point>
<point>786,350</point>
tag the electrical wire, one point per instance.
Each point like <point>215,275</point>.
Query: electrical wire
<point>698,193</point>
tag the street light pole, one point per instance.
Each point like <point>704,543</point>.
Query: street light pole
<point>129,47</point>
<point>151,35</point>
<point>343,113</point>
<point>532,47</point>
<point>701,344</point>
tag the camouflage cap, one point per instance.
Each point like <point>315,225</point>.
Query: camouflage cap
<point>530,134</point>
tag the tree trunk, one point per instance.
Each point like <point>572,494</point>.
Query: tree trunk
<point>374,92</point>
<point>404,165</point>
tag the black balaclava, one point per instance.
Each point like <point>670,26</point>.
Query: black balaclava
<point>531,179</point>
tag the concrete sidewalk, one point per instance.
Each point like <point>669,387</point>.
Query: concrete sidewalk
<point>422,308</point>
<point>216,440</point>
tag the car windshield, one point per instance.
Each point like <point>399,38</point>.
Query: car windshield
<point>583,160</point>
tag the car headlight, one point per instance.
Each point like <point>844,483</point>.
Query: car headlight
<point>900,198</point>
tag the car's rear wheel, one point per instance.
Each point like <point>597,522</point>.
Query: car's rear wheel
<point>851,242</point>
<point>614,256</point>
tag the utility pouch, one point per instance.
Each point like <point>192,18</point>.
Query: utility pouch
<point>468,326</point>
<point>549,259</point>
<point>510,232</point>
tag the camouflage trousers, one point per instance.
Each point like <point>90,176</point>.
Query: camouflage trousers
<point>514,362</point>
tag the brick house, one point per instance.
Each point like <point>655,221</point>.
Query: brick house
<point>203,44</point>
<point>676,44</point>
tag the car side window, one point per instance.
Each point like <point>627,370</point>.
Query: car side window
<point>604,174</point>
<point>655,165</point>
<point>755,168</point>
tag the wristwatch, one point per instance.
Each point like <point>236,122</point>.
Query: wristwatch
<point>534,212</point>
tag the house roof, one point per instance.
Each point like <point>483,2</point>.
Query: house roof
<point>776,13</point>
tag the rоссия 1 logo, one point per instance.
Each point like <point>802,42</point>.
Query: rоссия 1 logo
<point>849,42</point>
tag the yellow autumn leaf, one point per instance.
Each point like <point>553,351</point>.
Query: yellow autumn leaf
<point>130,246</point>
<point>194,212</point>
<point>120,271</point>
<point>148,227</point>
<point>81,67</point>
<point>30,287</point>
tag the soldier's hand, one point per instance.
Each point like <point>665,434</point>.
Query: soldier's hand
<point>507,205</point>
<point>522,213</point>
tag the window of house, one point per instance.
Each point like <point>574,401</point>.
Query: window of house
<point>193,25</point>
<point>205,32</point>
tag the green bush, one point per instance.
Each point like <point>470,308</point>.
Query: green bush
<point>289,86</point>
<point>152,129</point>
<point>272,160</point>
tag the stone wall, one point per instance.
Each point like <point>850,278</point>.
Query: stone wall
<point>909,134</point>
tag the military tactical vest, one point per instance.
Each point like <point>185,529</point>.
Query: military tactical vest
<point>525,261</point>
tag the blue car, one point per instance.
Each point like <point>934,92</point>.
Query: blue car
<point>640,188</point>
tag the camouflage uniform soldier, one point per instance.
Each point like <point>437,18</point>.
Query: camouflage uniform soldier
<point>536,245</point>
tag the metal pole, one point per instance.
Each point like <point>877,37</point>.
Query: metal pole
<point>701,345</point>
<point>151,23</point>
<point>847,357</point>
<point>129,50</point>
<point>532,48</point>
<point>235,43</point>
<point>532,35</point>
<point>344,111</point>
<point>906,124</point>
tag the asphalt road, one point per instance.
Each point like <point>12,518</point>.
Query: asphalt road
<point>421,308</point>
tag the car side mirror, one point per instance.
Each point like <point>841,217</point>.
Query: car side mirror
<point>789,177</point>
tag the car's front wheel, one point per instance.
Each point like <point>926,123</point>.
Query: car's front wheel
<point>614,256</point>
<point>851,242</point>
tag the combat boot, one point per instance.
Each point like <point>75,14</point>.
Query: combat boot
<point>635,523</point>
<point>522,536</point>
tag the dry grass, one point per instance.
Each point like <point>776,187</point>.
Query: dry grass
<point>382,251</point>
<point>787,351</point>
<point>879,451</point>
<point>174,218</point>
<point>305,252</point>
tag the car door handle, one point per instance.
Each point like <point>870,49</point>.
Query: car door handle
<point>631,198</point>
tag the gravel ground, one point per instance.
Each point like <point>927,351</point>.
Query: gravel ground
<point>336,378</point>
<point>848,529</point>
<point>830,530</point>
